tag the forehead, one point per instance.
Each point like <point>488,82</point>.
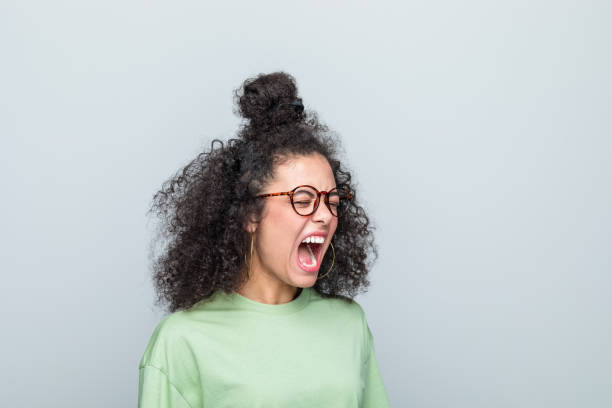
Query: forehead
<point>313,170</point>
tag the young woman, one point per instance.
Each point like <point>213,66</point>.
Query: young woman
<point>264,248</point>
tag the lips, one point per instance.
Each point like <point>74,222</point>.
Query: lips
<point>309,251</point>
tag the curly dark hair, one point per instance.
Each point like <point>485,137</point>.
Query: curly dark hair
<point>205,207</point>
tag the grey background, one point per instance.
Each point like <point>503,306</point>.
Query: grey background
<point>479,133</point>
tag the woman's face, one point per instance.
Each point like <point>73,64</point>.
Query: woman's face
<point>278,250</point>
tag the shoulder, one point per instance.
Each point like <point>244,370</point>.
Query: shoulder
<point>341,307</point>
<point>345,316</point>
<point>170,337</point>
<point>168,365</point>
<point>176,335</point>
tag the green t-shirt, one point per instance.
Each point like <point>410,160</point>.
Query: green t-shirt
<point>230,351</point>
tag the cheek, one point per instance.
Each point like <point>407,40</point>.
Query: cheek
<point>333,225</point>
<point>279,231</point>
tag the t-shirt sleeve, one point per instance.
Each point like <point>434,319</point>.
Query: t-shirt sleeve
<point>155,390</point>
<point>168,372</point>
<point>374,394</point>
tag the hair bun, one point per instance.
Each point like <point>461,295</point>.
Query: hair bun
<point>270,100</point>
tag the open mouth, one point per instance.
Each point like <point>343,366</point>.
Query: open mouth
<point>308,253</point>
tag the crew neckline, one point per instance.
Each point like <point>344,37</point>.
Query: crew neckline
<point>284,308</point>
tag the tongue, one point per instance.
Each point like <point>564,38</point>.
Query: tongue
<point>306,256</point>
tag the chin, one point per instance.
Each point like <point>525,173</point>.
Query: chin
<point>303,281</point>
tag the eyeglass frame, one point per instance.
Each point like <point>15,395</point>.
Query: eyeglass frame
<point>317,202</point>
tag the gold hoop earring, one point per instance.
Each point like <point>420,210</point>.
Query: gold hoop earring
<point>332,264</point>
<point>250,261</point>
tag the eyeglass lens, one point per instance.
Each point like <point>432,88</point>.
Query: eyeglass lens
<point>304,200</point>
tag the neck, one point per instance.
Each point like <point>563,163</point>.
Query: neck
<point>268,291</point>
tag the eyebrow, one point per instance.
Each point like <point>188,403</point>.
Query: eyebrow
<point>304,191</point>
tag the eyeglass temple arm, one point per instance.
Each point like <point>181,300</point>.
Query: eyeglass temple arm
<point>289,193</point>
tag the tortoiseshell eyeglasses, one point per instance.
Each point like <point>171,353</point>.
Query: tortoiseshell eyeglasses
<point>305,199</point>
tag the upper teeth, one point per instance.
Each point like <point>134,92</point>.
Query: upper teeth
<point>314,240</point>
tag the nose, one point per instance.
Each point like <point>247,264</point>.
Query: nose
<point>322,214</point>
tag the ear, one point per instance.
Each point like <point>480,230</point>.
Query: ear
<point>250,226</point>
